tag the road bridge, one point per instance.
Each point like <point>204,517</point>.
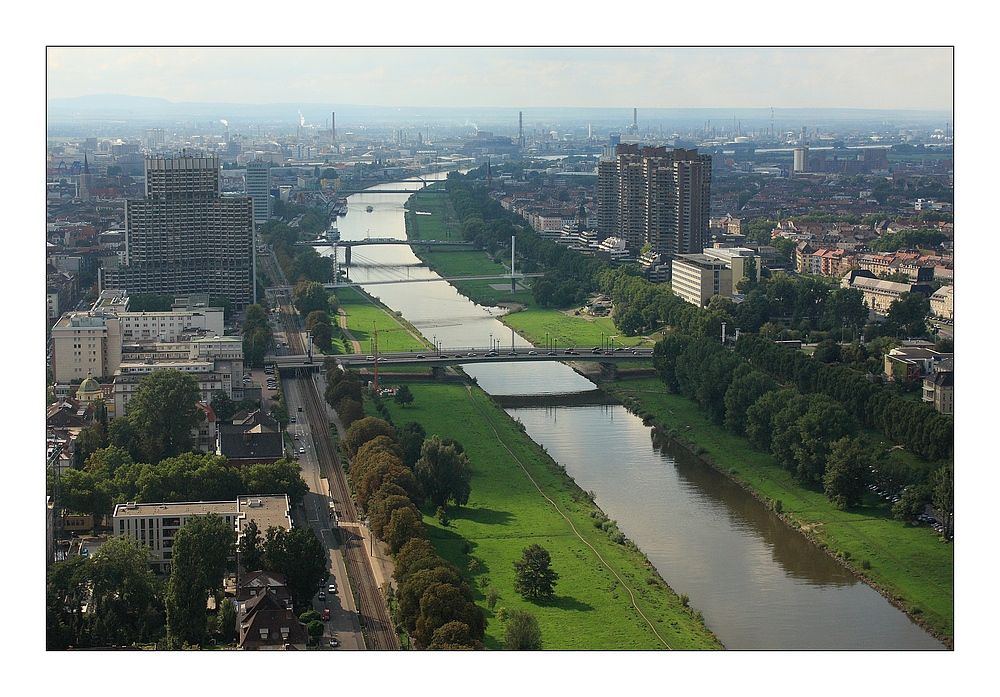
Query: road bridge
<point>448,357</point>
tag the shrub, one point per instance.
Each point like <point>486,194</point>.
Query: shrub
<point>685,599</point>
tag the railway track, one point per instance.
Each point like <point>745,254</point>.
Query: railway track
<point>373,614</point>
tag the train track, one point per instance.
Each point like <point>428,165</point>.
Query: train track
<point>373,614</point>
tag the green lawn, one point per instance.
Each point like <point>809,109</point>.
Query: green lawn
<point>365,315</point>
<point>910,564</point>
<point>592,608</point>
<point>435,226</point>
<point>585,331</point>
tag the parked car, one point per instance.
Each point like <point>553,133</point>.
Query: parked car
<point>322,595</point>
<point>332,588</point>
<point>334,643</point>
<point>326,614</point>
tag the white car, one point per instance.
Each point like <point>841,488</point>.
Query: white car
<point>302,450</point>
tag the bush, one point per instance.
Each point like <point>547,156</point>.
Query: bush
<point>685,599</point>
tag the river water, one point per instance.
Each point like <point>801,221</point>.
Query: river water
<point>758,584</point>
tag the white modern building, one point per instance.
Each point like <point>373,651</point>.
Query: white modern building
<point>156,524</point>
<point>697,277</point>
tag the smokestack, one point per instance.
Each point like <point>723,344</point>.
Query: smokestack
<point>333,130</point>
<point>520,125</point>
<point>635,117</point>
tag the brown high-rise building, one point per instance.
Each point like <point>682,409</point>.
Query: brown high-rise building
<point>655,195</point>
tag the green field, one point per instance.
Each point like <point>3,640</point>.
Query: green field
<point>911,565</point>
<point>534,323</point>
<point>365,315</point>
<point>435,226</point>
<point>592,607</point>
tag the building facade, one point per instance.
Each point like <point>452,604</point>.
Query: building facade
<point>185,237</point>
<point>656,196</point>
<point>156,524</point>
<point>697,277</point>
<point>259,189</point>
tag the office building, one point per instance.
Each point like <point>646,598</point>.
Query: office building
<point>259,189</point>
<point>651,194</point>
<point>184,237</point>
<point>156,524</point>
<point>697,277</point>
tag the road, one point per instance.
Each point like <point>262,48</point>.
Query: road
<point>359,617</point>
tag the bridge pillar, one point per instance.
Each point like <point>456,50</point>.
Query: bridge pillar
<point>609,371</point>
<point>347,258</point>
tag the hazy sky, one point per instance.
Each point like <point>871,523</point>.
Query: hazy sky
<point>877,78</point>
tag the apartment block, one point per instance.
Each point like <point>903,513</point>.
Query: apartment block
<point>185,237</point>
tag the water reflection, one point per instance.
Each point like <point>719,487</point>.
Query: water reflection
<point>796,555</point>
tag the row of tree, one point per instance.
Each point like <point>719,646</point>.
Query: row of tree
<point>914,425</point>
<point>110,476</point>
<point>435,603</point>
<point>569,276</point>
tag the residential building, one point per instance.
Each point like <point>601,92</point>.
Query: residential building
<point>250,439</point>
<point>265,623</point>
<point>939,387</point>
<point>914,362</point>
<point>943,302</point>
<point>697,277</point>
<point>156,524</point>
<point>216,362</point>
<point>651,194</point>
<point>185,237</point>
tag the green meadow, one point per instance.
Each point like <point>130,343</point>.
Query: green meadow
<point>365,315</point>
<point>521,496</point>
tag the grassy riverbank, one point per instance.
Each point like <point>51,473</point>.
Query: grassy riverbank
<point>910,565</point>
<point>521,496</point>
<point>365,314</point>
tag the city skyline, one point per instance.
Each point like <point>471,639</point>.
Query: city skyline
<point>919,78</point>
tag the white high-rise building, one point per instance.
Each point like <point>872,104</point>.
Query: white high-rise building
<point>259,189</point>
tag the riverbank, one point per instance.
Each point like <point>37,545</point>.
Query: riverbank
<point>909,566</point>
<point>608,595</point>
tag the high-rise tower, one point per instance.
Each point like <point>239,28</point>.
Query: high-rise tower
<point>259,189</point>
<point>655,195</point>
<point>184,237</point>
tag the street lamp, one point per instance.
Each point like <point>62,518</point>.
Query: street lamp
<point>491,341</point>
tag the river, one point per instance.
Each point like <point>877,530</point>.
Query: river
<point>758,584</point>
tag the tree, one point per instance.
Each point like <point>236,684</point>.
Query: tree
<point>848,471</point>
<point>364,430</point>
<point>300,556</point>
<point>126,598</point>
<point>411,437</point>
<point>281,477</point>
<point>534,577</point>
<point>226,622</point>
<point>403,396</point>
<point>223,406</point>
<point>310,296</point>
<point>743,392</point>
<point>162,413</point>
<point>444,472</point>
<point>200,557</point>
<point>943,496</point>
<point>454,636</point>
<point>251,547</point>
<point>404,524</point>
<point>521,632</point>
